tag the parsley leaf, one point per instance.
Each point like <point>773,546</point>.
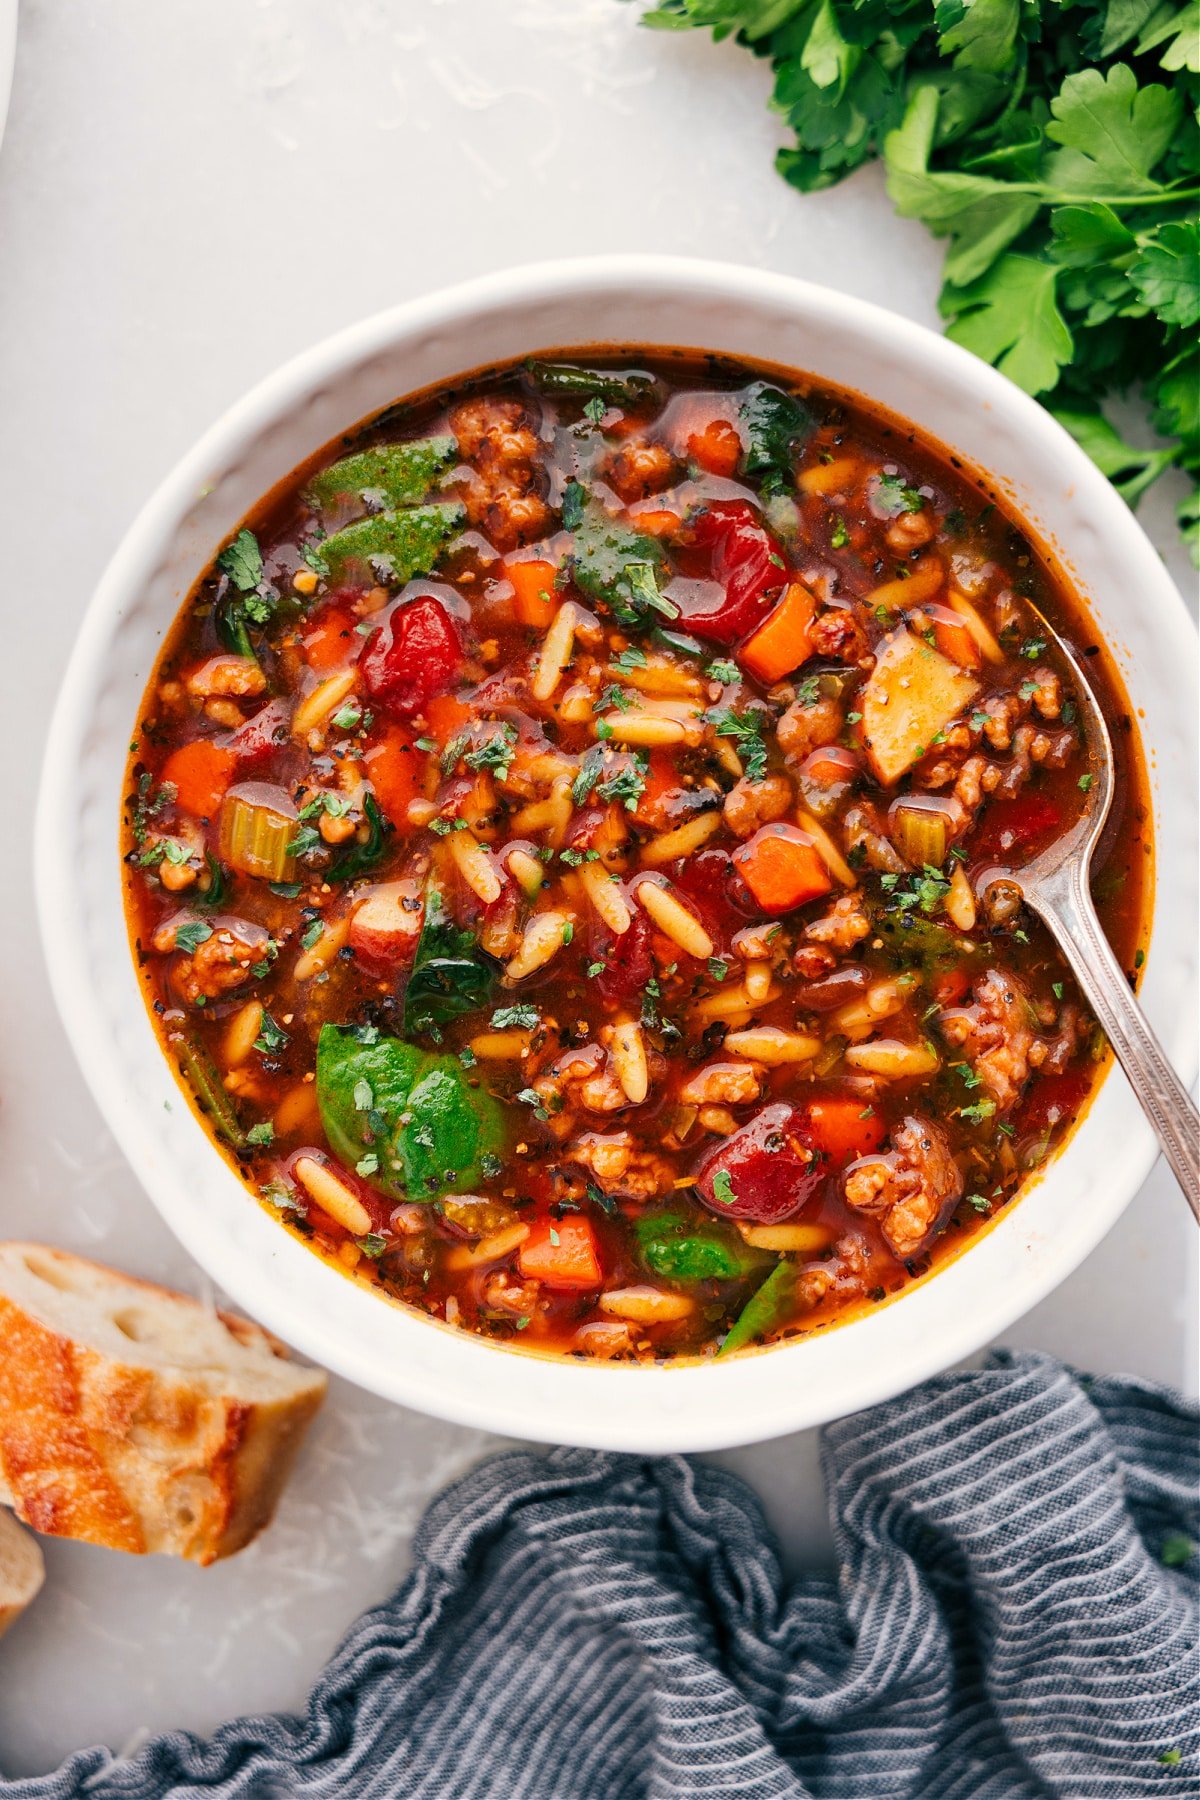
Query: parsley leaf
<point>1054,148</point>
<point>746,730</point>
<point>242,562</point>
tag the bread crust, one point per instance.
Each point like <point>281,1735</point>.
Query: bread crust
<point>131,1451</point>
<point>22,1570</point>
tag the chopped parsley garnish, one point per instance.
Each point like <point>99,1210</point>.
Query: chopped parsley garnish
<point>723,1187</point>
<point>921,891</point>
<point>721,669</point>
<point>271,1037</point>
<point>190,935</point>
<point>522,1016</point>
<point>718,968</point>
<point>840,535</point>
<point>261,1134</point>
<point>496,752</point>
<point>894,495</point>
<point>627,785</point>
<point>746,731</point>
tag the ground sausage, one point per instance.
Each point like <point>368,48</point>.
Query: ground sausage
<point>912,1187</point>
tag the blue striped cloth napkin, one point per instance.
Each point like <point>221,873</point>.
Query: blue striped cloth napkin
<point>1014,1617</point>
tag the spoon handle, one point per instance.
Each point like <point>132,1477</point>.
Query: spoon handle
<point>1065,903</point>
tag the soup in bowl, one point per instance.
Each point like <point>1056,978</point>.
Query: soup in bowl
<point>551,798</point>
<point>551,838</point>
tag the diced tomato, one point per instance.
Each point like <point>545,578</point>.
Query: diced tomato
<point>781,642</point>
<point>830,765</point>
<point>628,962</point>
<point>562,1253</point>
<point>261,735</point>
<point>415,653</point>
<point>844,1126</point>
<point>332,639</point>
<point>782,867</point>
<point>765,1171</point>
<point>597,827</point>
<point>394,766</point>
<point>747,563</point>
<point>200,772</point>
<point>659,779</point>
<point>717,448</point>
<point>1023,823</point>
<point>950,986</point>
<point>1051,1099</point>
<point>711,881</point>
<point>533,583</point>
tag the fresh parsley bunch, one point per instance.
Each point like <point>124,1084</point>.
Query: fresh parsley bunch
<point>1055,144</point>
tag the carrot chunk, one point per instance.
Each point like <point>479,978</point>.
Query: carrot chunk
<point>781,642</point>
<point>844,1127</point>
<point>393,767</point>
<point>446,715</point>
<point>332,640</point>
<point>200,772</point>
<point>954,640</point>
<point>562,1253</point>
<point>782,867</point>
<point>533,584</point>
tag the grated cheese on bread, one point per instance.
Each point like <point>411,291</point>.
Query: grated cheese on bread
<point>22,1570</point>
<point>132,1416</point>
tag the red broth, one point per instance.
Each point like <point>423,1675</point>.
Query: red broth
<point>550,845</point>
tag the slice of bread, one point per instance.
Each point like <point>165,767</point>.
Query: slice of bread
<point>22,1570</point>
<point>134,1417</point>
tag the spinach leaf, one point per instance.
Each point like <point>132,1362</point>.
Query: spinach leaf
<point>768,1307</point>
<point>406,1120</point>
<point>614,565</point>
<point>356,859</point>
<point>383,476</point>
<point>620,387</point>
<point>678,1249</point>
<point>776,423</point>
<point>451,974</point>
<point>397,545</point>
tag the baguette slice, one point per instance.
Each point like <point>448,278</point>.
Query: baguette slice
<point>134,1417</point>
<point>22,1570</point>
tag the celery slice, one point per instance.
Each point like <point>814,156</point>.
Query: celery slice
<point>921,834</point>
<point>258,822</point>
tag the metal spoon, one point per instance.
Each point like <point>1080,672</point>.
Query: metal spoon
<point>1057,886</point>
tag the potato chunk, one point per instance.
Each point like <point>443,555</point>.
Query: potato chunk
<point>913,693</point>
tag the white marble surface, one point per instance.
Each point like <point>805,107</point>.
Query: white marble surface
<point>189,193</point>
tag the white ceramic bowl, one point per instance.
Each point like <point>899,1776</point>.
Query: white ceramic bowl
<point>398,1353</point>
